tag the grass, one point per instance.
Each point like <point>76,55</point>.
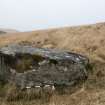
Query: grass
<point>86,40</point>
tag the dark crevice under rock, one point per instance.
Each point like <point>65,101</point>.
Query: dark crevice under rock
<point>29,67</point>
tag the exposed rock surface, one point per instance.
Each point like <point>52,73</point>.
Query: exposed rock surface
<point>30,67</point>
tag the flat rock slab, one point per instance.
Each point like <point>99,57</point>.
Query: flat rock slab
<point>30,67</point>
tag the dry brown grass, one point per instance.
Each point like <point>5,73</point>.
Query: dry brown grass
<point>87,40</point>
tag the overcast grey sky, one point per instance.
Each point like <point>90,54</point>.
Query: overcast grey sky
<point>25,15</point>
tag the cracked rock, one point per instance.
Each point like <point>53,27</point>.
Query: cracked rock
<point>30,67</point>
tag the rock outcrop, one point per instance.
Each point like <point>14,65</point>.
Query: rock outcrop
<point>30,67</point>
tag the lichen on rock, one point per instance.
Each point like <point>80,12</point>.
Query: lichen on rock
<point>28,67</point>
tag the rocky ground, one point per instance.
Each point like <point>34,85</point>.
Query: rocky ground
<point>87,40</point>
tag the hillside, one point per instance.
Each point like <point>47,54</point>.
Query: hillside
<point>88,40</point>
<point>5,31</point>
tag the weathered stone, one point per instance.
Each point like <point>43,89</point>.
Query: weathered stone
<point>30,67</point>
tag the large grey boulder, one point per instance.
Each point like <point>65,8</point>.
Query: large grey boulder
<point>30,67</point>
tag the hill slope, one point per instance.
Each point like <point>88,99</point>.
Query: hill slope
<point>89,40</point>
<point>5,31</point>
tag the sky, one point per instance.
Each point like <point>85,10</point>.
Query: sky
<point>27,15</point>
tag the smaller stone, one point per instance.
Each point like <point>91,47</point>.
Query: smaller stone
<point>28,87</point>
<point>37,86</point>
